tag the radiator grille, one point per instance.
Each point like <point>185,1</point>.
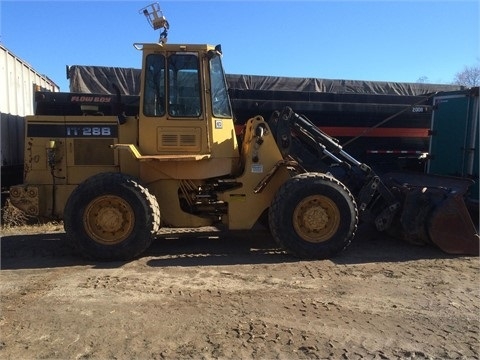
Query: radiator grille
<point>180,139</point>
<point>188,140</point>
<point>170,140</point>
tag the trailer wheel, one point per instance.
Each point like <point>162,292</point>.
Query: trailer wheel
<point>313,215</point>
<point>110,217</point>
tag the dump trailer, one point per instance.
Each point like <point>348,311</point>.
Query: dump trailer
<point>116,179</point>
<point>389,131</point>
<point>382,123</point>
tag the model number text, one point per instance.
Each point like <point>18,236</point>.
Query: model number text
<point>88,131</point>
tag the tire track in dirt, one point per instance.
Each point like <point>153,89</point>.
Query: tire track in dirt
<point>245,301</point>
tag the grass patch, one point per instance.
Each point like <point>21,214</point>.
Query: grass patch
<point>15,221</point>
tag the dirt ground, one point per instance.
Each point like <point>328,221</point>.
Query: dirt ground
<point>219,295</point>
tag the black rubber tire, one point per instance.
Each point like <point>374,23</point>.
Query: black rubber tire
<point>110,217</point>
<point>297,207</point>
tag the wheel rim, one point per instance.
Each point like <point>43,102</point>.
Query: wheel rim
<point>316,218</point>
<point>109,219</point>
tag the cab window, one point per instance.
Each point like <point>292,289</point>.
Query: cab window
<point>184,92</point>
<point>219,94</point>
<point>154,89</point>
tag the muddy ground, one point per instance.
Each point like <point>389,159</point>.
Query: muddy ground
<point>220,295</point>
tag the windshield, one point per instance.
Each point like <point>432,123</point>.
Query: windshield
<point>220,100</point>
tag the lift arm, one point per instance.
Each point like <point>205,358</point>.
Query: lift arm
<point>374,200</point>
<point>419,208</point>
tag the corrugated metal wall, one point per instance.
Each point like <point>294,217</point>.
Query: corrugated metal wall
<point>12,133</point>
<point>18,81</point>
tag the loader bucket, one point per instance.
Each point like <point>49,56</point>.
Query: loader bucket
<point>434,210</point>
<point>451,227</point>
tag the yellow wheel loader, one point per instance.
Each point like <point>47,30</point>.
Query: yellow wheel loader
<point>115,180</point>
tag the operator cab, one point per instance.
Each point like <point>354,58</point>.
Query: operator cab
<point>185,113</point>
<point>185,109</point>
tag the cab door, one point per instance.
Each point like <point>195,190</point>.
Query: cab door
<point>172,116</point>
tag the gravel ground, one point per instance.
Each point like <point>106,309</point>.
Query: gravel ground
<point>233,295</point>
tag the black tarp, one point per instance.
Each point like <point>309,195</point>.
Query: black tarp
<point>99,80</point>
<point>277,83</point>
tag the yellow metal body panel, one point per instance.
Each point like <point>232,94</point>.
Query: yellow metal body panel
<point>37,200</point>
<point>244,205</point>
<point>36,169</point>
<point>61,152</point>
<point>128,134</point>
<point>151,171</point>
<point>78,147</point>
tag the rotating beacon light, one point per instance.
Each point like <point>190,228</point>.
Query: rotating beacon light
<point>156,20</point>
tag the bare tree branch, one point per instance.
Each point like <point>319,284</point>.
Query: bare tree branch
<point>470,76</point>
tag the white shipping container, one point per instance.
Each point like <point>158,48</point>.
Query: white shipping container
<point>18,82</point>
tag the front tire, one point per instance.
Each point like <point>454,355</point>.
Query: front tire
<point>111,216</point>
<point>313,216</point>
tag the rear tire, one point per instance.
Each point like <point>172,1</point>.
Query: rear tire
<point>313,216</point>
<point>111,216</point>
